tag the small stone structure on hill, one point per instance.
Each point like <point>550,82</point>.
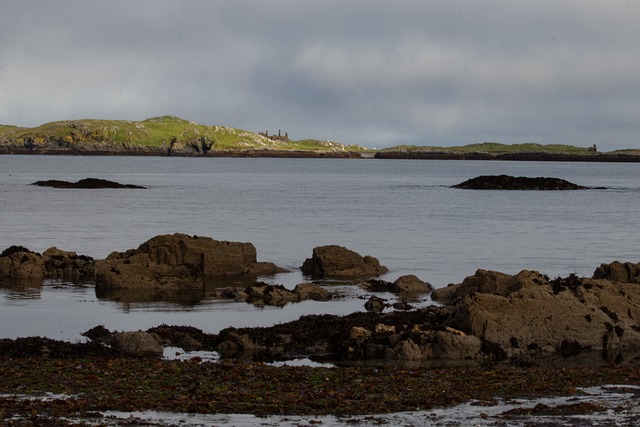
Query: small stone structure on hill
<point>274,137</point>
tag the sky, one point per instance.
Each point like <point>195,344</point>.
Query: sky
<point>367,72</point>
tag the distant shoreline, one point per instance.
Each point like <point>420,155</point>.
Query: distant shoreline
<point>514,156</point>
<point>171,136</point>
<point>382,155</point>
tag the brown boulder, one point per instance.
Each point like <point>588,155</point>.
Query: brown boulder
<point>411,285</point>
<point>488,282</point>
<point>66,264</point>
<point>618,272</point>
<point>406,286</point>
<point>234,344</point>
<point>339,262</point>
<point>265,294</point>
<point>375,305</point>
<point>412,342</point>
<point>311,291</point>
<point>17,262</point>
<point>178,261</point>
<point>137,343</point>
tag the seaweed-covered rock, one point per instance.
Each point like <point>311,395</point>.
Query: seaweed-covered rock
<point>506,182</point>
<point>87,183</point>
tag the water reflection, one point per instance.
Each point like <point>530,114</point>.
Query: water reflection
<point>20,289</point>
<point>126,297</point>
<point>184,298</point>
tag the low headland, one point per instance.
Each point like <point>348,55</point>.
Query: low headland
<point>490,338</point>
<point>173,136</point>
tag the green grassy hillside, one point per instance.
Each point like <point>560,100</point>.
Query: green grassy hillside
<point>158,132</point>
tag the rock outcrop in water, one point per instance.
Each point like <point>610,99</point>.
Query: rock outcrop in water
<point>333,261</point>
<point>262,294</point>
<point>17,262</point>
<point>87,183</point>
<point>178,261</point>
<point>165,262</point>
<point>408,286</point>
<point>506,182</point>
<point>489,315</point>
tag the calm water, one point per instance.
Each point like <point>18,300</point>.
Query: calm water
<point>402,212</point>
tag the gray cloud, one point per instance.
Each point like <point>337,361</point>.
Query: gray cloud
<point>374,73</point>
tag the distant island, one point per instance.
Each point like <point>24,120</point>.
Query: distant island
<point>173,136</point>
<point>497,151</point>
<point>159,136</point>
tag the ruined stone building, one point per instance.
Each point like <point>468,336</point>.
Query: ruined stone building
<point>274,137</point>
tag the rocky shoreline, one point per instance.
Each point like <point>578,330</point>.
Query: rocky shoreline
<point>490,316</point>
<point>159,152</point>
<point>63,392</point>
<point>99,150</point>
<point>492,336</point>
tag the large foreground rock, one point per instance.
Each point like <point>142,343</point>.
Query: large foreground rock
<point>178,261</point>
<point>334,261</point>
<point>527,313</point>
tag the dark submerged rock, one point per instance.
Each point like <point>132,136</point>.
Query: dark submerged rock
<point>375,305</point>
<point>506,182</point>
<point>87,183</point>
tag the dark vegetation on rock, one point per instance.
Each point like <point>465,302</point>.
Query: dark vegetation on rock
<point>82,389</point>
<point>86,183</point>
<point>506,182</point>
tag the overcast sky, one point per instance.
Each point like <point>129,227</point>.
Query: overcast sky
<point>368,72</point>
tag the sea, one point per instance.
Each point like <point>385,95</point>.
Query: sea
<point>403,212</point>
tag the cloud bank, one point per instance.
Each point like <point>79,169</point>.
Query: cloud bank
<point>373,73</point>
